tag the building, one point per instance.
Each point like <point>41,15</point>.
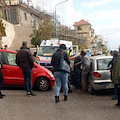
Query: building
<point>23,19</point>
<point>85,32</point>
<point>99,44</point>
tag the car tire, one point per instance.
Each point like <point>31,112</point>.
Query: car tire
<point>42,84</point>
<point>90,89</point>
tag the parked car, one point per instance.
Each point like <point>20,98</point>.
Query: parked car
<point>99,77</point>
<point>42,78</point>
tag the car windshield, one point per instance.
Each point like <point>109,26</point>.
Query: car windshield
<point>102,64</point>
<point>47,50</point>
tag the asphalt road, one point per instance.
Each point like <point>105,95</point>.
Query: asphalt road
<point>17,106</point>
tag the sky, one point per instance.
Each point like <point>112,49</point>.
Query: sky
<point>103,15</point>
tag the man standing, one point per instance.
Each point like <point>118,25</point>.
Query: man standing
<point>77,68</point>
<point>116,79</point>
<point>85,71</point>
<point>1,80</point>
<point>24,60</point>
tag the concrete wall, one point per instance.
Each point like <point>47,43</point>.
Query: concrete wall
<point>22,34</point>
<point>15,35</point>
<point>10,34</point>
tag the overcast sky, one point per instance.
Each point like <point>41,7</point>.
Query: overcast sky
<point>104,15</point>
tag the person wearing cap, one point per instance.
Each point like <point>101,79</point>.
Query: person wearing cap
<point>60,76</point>
<point>25,61</point>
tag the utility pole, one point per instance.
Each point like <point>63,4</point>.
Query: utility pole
<point>56,18</point>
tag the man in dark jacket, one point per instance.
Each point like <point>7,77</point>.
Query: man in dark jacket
<point>1,80</point>
<point>24,60</point>
<point>60,76</point>
<point>112,62</point>
<point>78,70</point>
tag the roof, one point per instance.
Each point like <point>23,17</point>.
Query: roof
<point>81,22</point>
<point>100,57</point>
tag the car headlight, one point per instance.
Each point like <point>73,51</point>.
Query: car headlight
<point>51,75</point>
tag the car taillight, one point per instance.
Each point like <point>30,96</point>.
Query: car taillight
<point>96,74</point>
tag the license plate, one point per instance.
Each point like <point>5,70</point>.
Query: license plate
<point>109,85</point>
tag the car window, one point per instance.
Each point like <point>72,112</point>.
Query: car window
<point>0,57</point>
<point>102,64</point>
<point>10,58</point>
<point>91,64</point>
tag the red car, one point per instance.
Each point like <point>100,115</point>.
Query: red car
<point>42,78</point>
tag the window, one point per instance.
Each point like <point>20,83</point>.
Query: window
<point>10,58</point>
<point>0,57</point>
<point>102,64</point>
<point>79,28</point>
<point>25,16</point>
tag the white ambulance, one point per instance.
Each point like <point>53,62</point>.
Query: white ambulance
<point>47,49</point>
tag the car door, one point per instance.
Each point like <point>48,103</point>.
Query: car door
<point>12,73</point>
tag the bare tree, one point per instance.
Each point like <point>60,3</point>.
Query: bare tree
<point>44,32</point>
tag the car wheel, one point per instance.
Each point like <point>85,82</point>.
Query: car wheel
<point>90,89</point>
<point>43,84</point>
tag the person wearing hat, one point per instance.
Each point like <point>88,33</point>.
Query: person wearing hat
<point>25,61</point>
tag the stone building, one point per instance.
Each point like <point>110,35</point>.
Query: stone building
<point>85,32</point>
<point>23,19</point>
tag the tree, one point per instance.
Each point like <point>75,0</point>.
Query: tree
<point>2,31</point>
<point>44,32</point>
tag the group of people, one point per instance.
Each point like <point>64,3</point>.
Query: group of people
<point>62,77</point>
<point>82,69</point>
<point>25,60</point>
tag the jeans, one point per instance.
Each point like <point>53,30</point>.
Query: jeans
<point>77,77</point>
<point>61,78</point>
<point>27,73</point>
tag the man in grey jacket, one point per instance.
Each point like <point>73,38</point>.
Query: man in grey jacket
<point>85,71</point>
<point>24,60</point>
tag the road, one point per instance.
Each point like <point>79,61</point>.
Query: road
<point>17,106</point>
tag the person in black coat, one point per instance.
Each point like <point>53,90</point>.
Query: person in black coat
<point>25,61</point>
<point>78,70</point>
<point>60,76</point>
<point>1,80</point>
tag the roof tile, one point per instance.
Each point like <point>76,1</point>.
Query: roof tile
<point>81,22</point>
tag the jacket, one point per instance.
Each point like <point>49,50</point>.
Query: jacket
<point>116,72</point>
<point>24,58</point>
<point>78,60</point>
<point>85,63</point>
<point>55,61</point>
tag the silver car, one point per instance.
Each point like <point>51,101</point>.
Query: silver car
<point>99,77</point>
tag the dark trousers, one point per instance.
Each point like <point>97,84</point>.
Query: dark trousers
<point>118,93</point>
<point>77,78</point>
<point>1,79</point>
<point>27,73</point>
